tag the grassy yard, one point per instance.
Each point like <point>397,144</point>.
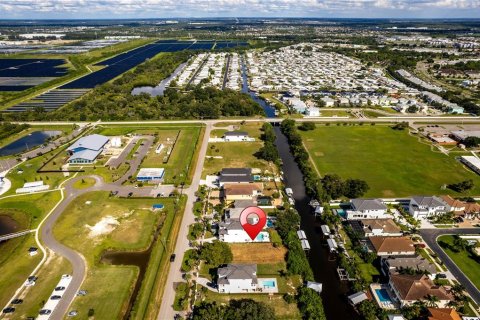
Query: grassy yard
<point>392,162</point>
<point>324,112</point>
<point>257,253</point>
<point>469,264</point>
<point>235,154</point>
<point>132,230</point>
<point>282,309</point>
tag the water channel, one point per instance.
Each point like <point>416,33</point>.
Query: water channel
<point>158,90</point>
<point>324,270</point>
<point>269,110</point>
<point>7,225</point>
<point>27,142</point>
<point>139,259</point>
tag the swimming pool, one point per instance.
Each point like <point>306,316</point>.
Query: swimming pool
<point>269,284</point>
<point>382,295</point>
<point>341,212</point>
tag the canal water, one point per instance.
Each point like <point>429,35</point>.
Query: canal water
<point>27,142</point>
<point>269,110</point>
<point>334,291</point>
<point>7,225</point>
<point>139,259</point>
<point>158,90</point>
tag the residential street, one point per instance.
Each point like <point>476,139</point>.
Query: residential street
<point>430,237</point>
<point>174,274</point>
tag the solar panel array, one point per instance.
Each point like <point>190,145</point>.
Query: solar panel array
<point>114,67</point>
<point>49,101</point>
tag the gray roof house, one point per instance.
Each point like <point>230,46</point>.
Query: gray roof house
<point>235,175</point>
<point>427,206</point>
<point>396,264</point>
<point>356,298</point>
<point>237,278</point>
<point>366,209</point>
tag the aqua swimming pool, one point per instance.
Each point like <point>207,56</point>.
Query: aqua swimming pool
<point>382,295</point>
<point>269,284</point>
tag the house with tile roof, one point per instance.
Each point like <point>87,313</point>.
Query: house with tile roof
<point>393,246</point>
<point>467,210</point>
<point>408,289</point>
<point>443,314</point>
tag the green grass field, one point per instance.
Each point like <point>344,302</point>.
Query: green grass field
<point>235,154</point>
<point>392,162</point>
<point>463,259</point>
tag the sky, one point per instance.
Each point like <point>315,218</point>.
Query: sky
<point>93,9</point>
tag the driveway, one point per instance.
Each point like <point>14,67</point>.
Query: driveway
<point>430,237</point>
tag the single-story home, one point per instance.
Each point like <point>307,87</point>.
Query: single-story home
<point>393,246</point>
<point>150,175</point>
<point>380,227</point>
<point>235,175</point>
<point>443,314</point>
<point>408,289</point>
<point>392,265</point>
<point>237,136</point>
<point>233,192</point>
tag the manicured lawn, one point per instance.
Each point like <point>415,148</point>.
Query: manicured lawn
<point>392,162</point>
<point>84,183</point>
<point>324,112</point>
<point>469,264</point>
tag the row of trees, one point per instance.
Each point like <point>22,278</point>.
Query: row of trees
<point>236,309</point>
<point>331,186</point>
<point>269,150</point>
<point>309,301</point>
<point>8,129</point>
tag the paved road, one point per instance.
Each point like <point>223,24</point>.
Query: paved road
<point>182,245</point>
<point>430,237</point>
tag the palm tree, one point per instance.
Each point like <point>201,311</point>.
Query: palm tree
<point>457,289</point>
<point>431,300</point>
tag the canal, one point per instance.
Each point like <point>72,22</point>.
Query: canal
<point>324,270</point>
<point>269,110</point>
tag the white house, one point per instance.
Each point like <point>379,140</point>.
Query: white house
<point>236,136</point>
<point>329,102</point>
<point>237,278</point>
<point>366,209</point>
<point>231,231</point>
<point>423,207</point>
<point>312,112</point>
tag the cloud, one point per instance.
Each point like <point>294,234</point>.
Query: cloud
<point>199,8</point>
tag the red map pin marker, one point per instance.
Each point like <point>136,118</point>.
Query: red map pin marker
<point>253,219</point>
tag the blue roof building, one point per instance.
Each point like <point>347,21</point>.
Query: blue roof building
<point>87,149</point>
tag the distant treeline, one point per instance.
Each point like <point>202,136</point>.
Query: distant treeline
<point>7,129</point>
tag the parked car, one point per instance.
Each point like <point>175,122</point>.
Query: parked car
<point>55,297</point>
<point>130,194</point>
<point>9,310</point>
<point>32,278</point>
<point>17,301</point>
<point>59,288</point>
<point>29,283</point>
<point>45,312</point>
<point>172,257</point>
<point>441,276</point>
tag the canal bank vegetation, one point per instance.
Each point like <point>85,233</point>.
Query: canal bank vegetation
<point>96,222</point>
<point>8,129</point>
